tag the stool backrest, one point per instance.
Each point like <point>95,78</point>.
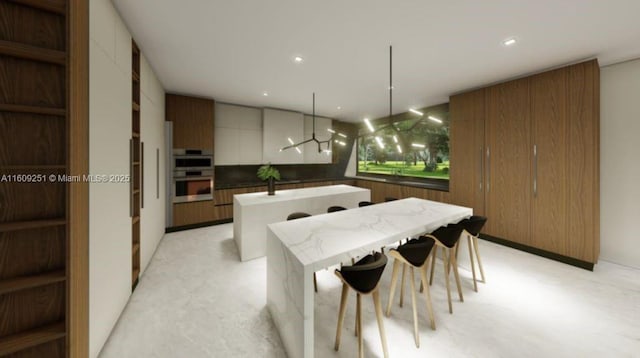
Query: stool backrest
<point>297,215</point>
<point>474,224</point>
<point>365,203</point>
<point>365,274</point>
<point>448,235</point>
<point>335,208</point>
<point>416,251</point>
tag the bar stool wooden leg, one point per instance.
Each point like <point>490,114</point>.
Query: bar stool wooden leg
<point>343,309</point>
<point>445,262</point>
<point>404,269</point>
<point>415,308</point>
<point>378,307</point>
<point>454,266</point>
<point>359,325</point>
<point>394,280</point>
<point>475,246</point>
<point>473,265</point>
<point>423,275</point>
<point>433,263</point>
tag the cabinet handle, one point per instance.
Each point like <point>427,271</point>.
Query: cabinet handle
<point>131,177</point>
<point>480,166</point>
<point>535,171</point>
<point>488,168</point>
<point>142,175</point>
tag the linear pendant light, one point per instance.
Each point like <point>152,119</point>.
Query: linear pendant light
<point>313,135</point>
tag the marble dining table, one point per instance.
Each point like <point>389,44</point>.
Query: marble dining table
<point>296,249</point>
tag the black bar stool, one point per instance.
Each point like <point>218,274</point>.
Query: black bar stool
<point>414,254</point>
<point>447,237</point>
<point>364,278</point>
<point>472,227</point>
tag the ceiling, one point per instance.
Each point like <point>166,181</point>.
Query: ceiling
<point>233,51</point>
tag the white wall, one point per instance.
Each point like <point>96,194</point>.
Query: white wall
<point>109,134</point>
<point>238,135</point>
<point>620,163</point>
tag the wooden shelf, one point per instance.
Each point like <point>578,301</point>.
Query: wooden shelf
<point>4,107</point>
<point>55,6</point>
<point>32,224</point>
<point>136,248</point>
<point>16,49</point>
<point>135,76</point>
<point>22,283</point>
<point>135,134</point>
<point>32,167</point>
<point>136,191</point>
<point>136,163</point>
<point>31,338</point>
<point>136,107</point>
<point>135,219</point>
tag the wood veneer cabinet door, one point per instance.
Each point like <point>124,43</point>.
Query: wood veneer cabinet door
<point>508,161</point>
<point>466,186</point>
<point>583,168</point>
<point>549,161</point>
<point>192,119</point>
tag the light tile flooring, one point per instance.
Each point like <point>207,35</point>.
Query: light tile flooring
<point>197,299</point>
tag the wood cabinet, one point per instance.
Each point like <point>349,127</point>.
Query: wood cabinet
<point>193,121</point>
<point>540,166</point>
<point>467,150</point>
<point>193,128</point>
<point>44,275</point>
<point>508,161</point>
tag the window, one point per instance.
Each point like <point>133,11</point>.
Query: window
<point>409,145</point>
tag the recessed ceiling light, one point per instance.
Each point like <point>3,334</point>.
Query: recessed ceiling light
<point>265,93</point>
<point>510,41</point>
<point>298,59</point>
<point>339,108</point>
<point>415,111</point>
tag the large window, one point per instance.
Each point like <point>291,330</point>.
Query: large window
<point>408,145</point>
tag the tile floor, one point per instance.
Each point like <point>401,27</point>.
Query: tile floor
<point>197,299</point>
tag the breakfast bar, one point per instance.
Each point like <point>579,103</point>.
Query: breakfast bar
<point>296,249</point>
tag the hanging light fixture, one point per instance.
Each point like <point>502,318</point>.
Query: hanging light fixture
<point>313,136</point>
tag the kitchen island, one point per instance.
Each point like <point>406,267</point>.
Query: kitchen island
<point>253,211</point>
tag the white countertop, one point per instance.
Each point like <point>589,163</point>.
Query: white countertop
<point>323,239</point>
<point>286,195</point>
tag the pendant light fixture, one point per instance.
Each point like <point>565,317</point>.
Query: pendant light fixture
<point>313,135</point>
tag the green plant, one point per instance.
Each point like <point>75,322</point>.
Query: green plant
<point>267,172</point>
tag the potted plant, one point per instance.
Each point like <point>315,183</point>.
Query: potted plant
<point>270,174</point>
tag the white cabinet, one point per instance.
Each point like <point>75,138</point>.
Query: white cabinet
<point>278,127</point>
<point>238,135</point>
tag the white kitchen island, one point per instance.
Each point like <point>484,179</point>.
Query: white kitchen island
<point>252,212</point>
<point>296,249</point>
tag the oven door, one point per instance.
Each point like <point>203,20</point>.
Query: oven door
<point>187,189</point>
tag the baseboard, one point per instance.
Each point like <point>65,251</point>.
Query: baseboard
<point>546,254</point>
<point>196,226</point>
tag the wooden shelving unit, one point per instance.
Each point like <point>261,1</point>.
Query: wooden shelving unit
<point>43,114</point>
<point>21,341</point>
<point>136,165</point>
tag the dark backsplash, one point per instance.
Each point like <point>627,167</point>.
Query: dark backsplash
<point>229,176</point>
